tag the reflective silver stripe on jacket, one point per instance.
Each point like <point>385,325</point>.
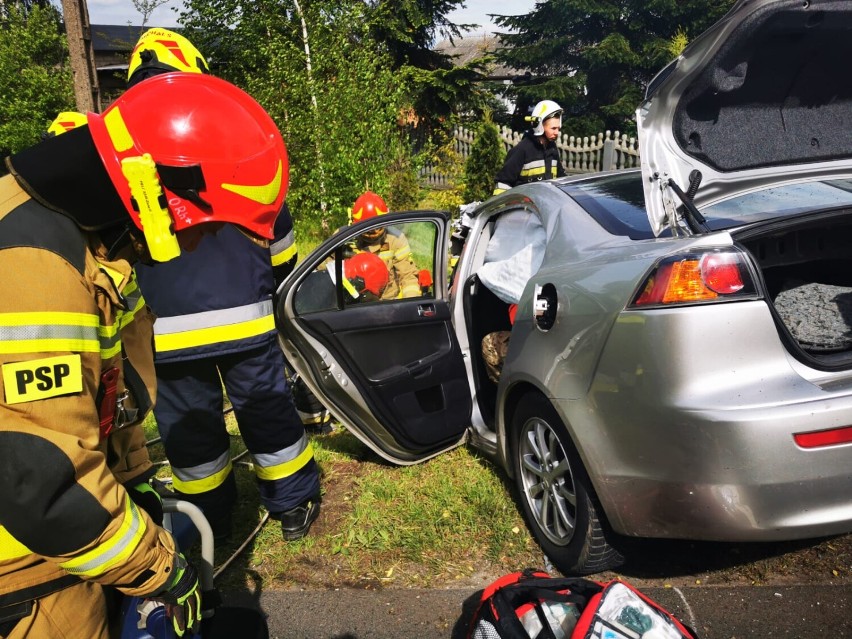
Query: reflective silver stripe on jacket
<point>212,319</point>
<point>283,244</point>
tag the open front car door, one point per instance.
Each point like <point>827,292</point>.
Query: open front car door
<point>376,344</point>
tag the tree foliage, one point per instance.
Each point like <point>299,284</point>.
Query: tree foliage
<point>595,57</point>
<point>437,89</point>
<point>329,89</point>
<point>347,82</point>
<point>35,78</point>
<point>485,159</point>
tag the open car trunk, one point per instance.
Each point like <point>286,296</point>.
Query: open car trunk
<point>807,270</point>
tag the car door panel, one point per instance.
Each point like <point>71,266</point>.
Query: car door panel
<point>411,397</point>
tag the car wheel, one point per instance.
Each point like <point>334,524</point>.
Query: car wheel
<point>556,495</point>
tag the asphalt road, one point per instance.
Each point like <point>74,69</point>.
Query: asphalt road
<point>794,612</point>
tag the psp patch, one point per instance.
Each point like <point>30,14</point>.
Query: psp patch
<point>42,378</point>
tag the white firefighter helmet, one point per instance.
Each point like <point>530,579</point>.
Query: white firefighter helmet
<point>542,111</point>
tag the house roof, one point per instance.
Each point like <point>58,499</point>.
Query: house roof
<point>115,37</point>
<point>473,46</point>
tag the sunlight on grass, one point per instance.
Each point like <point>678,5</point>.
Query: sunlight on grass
<point>426,525</point>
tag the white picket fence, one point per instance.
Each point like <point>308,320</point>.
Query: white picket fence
<point>606,151</point>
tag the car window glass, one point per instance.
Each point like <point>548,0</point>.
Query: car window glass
<point>779,201</point>
<point>383,264</point>
<point>615,201</point>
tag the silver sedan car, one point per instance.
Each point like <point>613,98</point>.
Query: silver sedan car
<point>679,351</point>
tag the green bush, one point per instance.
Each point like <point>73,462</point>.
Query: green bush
<point>485,159</point>
<point>403,186</point>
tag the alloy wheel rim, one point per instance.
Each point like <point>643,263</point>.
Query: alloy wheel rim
<point>547,481</point>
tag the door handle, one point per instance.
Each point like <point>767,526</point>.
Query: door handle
<point>426,310</point>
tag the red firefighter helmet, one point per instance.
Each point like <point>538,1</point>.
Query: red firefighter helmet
<point>370,269</point>
<point>219,157</point>
<point>368,205</point>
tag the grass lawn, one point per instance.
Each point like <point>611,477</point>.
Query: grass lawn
<point>449,521</point>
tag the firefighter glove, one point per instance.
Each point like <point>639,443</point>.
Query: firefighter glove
<point>183,597</point>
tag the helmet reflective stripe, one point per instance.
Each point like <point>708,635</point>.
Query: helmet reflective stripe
<point>204,477</point>
<point>114,550</point>
<point>287,461</point>
<point>263,193</point>
<point>117,130</point>
<point>542,111</point>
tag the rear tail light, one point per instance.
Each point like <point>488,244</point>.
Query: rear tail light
<point>822,438</point>
<point>698,278</point>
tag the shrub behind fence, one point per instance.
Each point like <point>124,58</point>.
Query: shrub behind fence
<point>604,152</point>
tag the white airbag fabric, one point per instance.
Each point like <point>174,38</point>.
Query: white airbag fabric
<point>515,252</point>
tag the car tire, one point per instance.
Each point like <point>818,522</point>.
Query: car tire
<point>555,493</point>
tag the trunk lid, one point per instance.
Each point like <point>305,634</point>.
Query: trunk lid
<point>761,98</point>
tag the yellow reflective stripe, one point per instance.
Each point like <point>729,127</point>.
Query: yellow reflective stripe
<point>402,253</point>
<point>40,332</point>
<point>117,130</point>
<point>411,291</point>
<point>11,548</point>
<point>271,473</point>
<point>284,256</point>
<point>114,550</point>
<point>261,193</point>
<point>109,341</point>
<point>214,334</point>
<point>530,172</point>
<point>203,485</point>
<point>350,288</point>
<point>116,276</point>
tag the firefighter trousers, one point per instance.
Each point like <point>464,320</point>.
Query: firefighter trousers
<point>189,413</point>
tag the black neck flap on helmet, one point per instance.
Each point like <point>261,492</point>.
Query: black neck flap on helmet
<point>65,173</point>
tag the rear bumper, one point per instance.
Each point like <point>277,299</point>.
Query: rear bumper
<point>687,431</point>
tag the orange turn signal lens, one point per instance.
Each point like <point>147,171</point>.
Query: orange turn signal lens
<point>697,278</point>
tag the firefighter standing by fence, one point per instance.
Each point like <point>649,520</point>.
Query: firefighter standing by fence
<point>215,325</point>
<point>75,340</point>
<point>536,156</point>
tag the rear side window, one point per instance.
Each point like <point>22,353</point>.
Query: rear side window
<point>616,202</point>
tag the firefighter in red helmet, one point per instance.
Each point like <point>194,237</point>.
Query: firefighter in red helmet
<point>390,244</point>
<point>215,327</point>
<point>366,276</point>
<point>143,181</point>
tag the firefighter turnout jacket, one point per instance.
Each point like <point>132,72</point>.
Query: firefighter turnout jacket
<point>218,299</point>
<point>529,161</point>
<point>77,379</point>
